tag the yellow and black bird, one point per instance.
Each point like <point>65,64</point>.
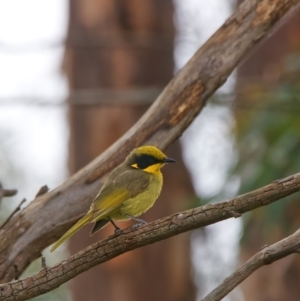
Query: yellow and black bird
<point>130,190</point>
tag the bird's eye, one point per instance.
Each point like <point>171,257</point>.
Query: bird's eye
<point>151,161</point>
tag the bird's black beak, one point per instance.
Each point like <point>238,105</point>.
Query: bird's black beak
<point>169,160</point>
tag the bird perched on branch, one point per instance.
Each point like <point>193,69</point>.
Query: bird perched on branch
<point>130,190</point>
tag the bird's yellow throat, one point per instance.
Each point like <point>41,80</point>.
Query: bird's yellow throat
<point>152,168</point>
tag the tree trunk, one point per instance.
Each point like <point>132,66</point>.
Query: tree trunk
<point>123,45</point>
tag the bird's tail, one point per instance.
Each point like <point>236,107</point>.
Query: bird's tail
<point>73,230</point>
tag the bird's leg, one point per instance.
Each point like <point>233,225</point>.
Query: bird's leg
<point>139,220</point>
<point>117,229</point>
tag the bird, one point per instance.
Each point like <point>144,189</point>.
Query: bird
<point>130,190</point>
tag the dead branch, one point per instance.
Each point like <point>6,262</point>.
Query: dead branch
<point>49,278</point>
<point>267,255</point>
<point>17,209</point>
<point>48,216</point>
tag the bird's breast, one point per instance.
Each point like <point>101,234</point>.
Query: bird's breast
<point>145,200</point>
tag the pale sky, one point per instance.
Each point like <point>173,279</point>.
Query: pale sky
<point>37,136</point>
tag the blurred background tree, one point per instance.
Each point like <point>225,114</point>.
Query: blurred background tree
<point>268,139</point>
<point>116,50</point>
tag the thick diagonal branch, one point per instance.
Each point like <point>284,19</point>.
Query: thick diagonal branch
<point>50,278</point>
<point>51,214</point>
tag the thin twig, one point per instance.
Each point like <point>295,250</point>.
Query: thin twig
<point>6,192</point>
<point>9,192</point>
<point>265,256</point>
<point>43,262</point>
<point>18,208</point>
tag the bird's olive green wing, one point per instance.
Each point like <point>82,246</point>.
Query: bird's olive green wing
<point>126,185</point>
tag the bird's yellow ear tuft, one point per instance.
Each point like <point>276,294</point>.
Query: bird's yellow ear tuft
<point>134,165</point>
<point>153,168</point>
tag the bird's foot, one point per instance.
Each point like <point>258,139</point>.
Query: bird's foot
<point>118,231</point>
<point>136,226</point>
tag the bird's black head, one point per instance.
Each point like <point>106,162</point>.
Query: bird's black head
<point>148,158</point>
